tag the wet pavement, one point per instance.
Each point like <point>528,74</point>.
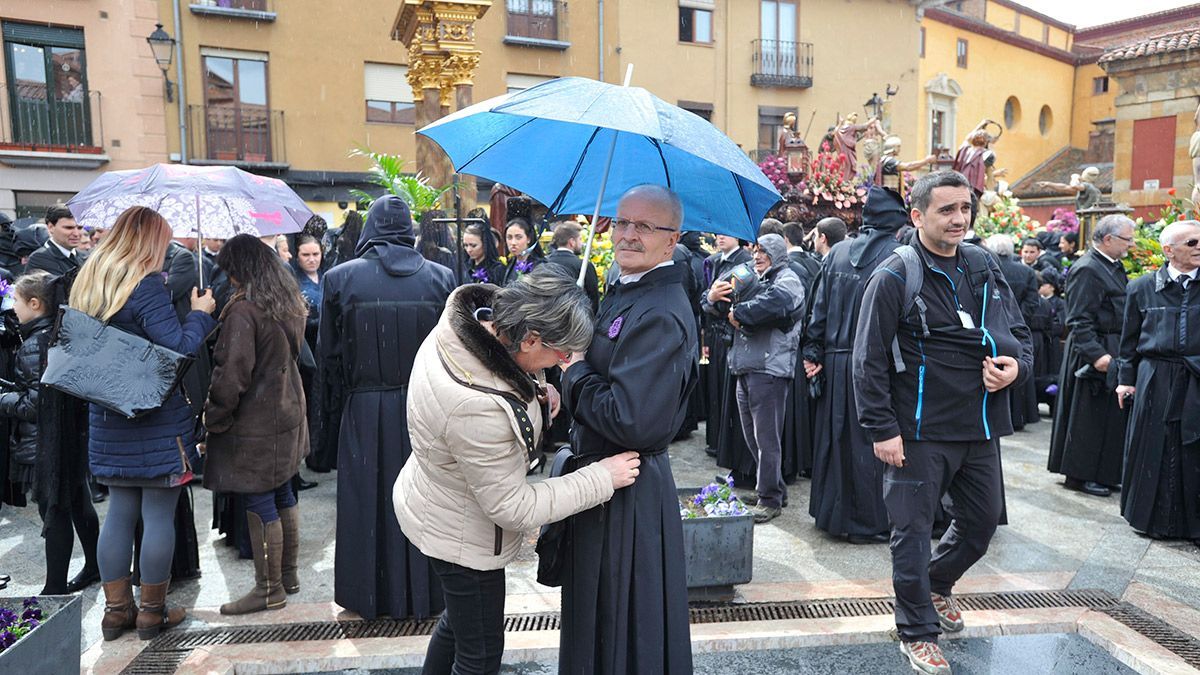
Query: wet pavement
<point>1055,539</point>
<point>1025,654</point>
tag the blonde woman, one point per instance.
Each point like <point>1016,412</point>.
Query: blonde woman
<point>144,461</point>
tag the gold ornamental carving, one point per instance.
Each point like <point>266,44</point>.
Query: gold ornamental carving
<point>441,39</point>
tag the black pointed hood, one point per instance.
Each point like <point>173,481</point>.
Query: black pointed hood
<point>388,234</point>
<point>883,216</point>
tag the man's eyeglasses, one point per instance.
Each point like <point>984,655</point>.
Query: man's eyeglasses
<point>1128,240</point>
<point>640,226</point>
<point>1190,243</point>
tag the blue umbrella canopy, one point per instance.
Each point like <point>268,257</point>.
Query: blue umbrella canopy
<point>553,142</point>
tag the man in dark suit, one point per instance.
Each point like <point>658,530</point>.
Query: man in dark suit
<point>58,255</point>
<point>568,244</point>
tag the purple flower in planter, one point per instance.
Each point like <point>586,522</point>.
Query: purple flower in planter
<point>480,276</point>
<point>614,329</point>
<point>7,639</point>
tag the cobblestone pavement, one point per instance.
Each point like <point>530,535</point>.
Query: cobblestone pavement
<point>1055,539</point>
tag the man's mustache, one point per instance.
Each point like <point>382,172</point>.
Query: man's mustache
<point>637,248</point>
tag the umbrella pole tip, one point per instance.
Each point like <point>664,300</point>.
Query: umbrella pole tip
<point>628,74</point>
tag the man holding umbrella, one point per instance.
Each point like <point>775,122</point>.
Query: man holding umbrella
<point>624,592</point>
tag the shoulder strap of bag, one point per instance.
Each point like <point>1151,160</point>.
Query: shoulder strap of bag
<point>914,279</point>
<point>518,406</point>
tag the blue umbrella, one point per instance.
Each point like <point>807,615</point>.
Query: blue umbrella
<point>577,145</point>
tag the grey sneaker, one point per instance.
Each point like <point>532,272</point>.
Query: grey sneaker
<point>763,514</point>
<point>925,657</point>
<point>949,615</point>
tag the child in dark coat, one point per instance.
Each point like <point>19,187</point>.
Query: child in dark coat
<point>62,515</point>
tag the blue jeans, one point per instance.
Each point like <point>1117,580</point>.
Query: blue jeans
<point>266,505</point>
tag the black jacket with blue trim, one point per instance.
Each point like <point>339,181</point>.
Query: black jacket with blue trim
<point>940,394</point>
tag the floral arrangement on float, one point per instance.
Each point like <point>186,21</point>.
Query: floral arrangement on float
<point>1063,221</point>
<point>822,190</point>
<point>1001,213</point>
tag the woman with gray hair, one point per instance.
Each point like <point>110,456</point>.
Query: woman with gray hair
<point>475,412</point>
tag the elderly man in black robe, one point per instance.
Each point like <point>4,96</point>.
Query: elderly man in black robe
<point>1087,442</point>
<point>376,311</point>
<point>1160,373</point>
<point>1022,280</point>
<point>624,597</point>
<point>847,479</point>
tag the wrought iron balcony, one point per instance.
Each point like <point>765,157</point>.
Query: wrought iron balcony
<point>257,10</point>
<point>241,135</point>
<point>32,121</point>
<point>778,63</point>
<point>537,23</point>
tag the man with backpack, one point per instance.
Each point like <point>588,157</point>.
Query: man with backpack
<point>765,314</point>
<point>940,340</point>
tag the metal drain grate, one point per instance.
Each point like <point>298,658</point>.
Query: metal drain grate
<point>168,650</point>
<point>1162,633</point>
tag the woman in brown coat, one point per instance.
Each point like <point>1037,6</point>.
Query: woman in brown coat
<point>255,414</point>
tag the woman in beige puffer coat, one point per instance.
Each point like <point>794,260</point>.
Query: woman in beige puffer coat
<point>462,497</point>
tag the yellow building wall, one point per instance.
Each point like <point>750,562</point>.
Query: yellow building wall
<point>843,79</point>
<point>1088,107</point>
<point>1004,17</point>
<point>314,75</point>
<point>988,81</point>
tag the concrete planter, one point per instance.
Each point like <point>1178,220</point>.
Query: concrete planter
<point>718,553</point>
<point>53,647</point>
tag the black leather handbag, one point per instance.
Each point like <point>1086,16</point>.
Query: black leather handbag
<point>555,539</point>
<point>98,363</point>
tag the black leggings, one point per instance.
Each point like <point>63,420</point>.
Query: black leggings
<point>61,526</point>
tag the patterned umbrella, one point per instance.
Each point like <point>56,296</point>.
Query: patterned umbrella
<point>217,202</point>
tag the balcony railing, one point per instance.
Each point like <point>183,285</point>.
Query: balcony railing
<point>236,135</point>
<point>537,23</point>
<point>258,10</point>
<point>778,63</point>
<point>32,122</point>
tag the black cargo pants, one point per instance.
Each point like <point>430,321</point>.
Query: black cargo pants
<point>970,472</point>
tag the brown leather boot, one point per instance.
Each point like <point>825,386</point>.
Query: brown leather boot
<point>290,517</point>
<point>154,616</point>
<point>120,614</point>
<point>266,541</point>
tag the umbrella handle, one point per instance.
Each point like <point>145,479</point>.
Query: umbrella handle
<point>199,247</point>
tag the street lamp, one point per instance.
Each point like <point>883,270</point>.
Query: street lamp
<point>163,47</point>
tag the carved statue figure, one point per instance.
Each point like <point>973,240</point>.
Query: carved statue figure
<point>845,141</point>
<point>1194,153</point>
<point>1082,185</point>
<point>976,160</point>
<point>889,172</point>
<point>792,147</point>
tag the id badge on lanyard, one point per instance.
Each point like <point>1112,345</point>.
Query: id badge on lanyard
<point>965,319</point>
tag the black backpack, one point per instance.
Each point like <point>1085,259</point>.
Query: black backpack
<point>914,280</point>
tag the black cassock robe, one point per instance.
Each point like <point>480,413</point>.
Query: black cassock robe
<point>723,419</point>
<point>624,595</point>
<point>847,478</point>
<point>376,312</point>
<point>1022,398</point>
<point>1160,355</point>
<point>1087,442</point>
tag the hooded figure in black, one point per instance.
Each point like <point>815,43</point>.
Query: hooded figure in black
<point>847,479</point>
<point>376,311</point>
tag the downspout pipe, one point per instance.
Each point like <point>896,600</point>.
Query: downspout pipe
<point>600,28</point>
<point>181,90</point>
